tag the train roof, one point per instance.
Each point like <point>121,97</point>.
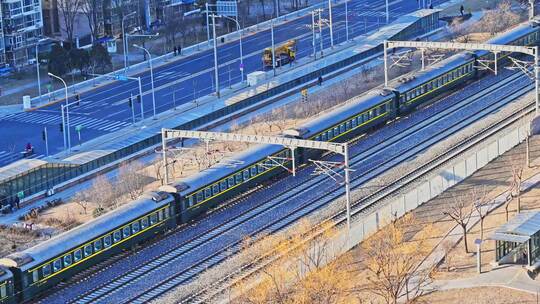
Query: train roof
<point>352,106</point>
<point>5,274</point>
<point>511,35</point>
<point>413,80</point>
<point>224,168</point>
<point>80,235</point>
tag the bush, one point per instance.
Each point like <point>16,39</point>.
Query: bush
<point>98,212</point>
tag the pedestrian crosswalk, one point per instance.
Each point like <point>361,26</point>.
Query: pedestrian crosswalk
<point>74,120</point>
<point>7,157</point>
<point>368,13</point>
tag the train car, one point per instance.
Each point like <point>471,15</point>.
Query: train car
<point>358,115</point>
<point>41,267</point>
<point>526,34</point>
<point>7,295</point>
<point>207,189</point>
<point>432,83</point>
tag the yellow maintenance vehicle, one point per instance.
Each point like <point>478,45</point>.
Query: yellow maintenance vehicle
<point>285,53</point>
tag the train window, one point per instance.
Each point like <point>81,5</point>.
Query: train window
<point>223,185</point>
<point>67,260</point>
<point>418,91</point>
<point>144,221</point>
<point>160,214</point>
<point>107,241</point>
<point>341,129</point>
<point>336,131</point>
<point>136,227</point>
<point>191,200</point>
<point>153,218</point>
<point>117,236</point>
<point>35,276</point>
<point>207,192</point>
<point>215,188</point>
<point>97,245</point>
<point>261,168</point>
<point>253,171</point>
<point>349,125</point>
<point>87,250</point>
<point>166,212</point>
<point>238,178</point>
<point>324,137</point>
<point>57,265</point>
<point>3,291</point>
<point>126,232</point>
<point>231,181</point>
<point>77,255</point>
<point>200,196</point>
<point>246,174</point>
<point>354,122</point>
<point>46,270</point>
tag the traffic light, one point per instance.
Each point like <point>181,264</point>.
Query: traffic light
<point>43,135</point>
<point>61,127</point>
<point>78,100</point>
<point>138,98</point>
<point>130,102</point>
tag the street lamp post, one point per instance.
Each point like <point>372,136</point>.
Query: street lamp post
<point>124,44</point>
<point>67,114</point>
<point>313,34</point>
<point>37,67</point>
<point>127,43</point>
<point>151,77</point>
<point>387,13</point>
<point>240,30</point>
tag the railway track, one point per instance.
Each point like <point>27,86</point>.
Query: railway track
<point>184,275</point>
<point>367,202</point>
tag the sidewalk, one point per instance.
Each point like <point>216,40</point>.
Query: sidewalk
<point>508,276</point>
<point>495,176</point>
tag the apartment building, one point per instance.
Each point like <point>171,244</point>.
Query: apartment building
<point>21,25</point>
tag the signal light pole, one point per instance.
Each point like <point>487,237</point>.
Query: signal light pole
<point>66,140</point>
<point>151,77</point>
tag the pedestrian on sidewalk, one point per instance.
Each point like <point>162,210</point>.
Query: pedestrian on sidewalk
<point>461,10</point>
<point>17,202</point>
<point>319,81</point>
<point>175,50</point>
<point>179,50</point>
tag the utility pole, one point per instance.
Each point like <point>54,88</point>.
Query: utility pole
<point>273,47</point>
<point>331,25</point>
<point>320,33</point>
<point>387,13</point>
<point>346,21</point>
<point>216,72</point>
<point>313,34</point>
<point>46,138</point>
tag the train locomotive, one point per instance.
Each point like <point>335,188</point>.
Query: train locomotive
<point>25,275</point>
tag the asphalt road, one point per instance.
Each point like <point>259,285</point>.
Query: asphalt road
<point>105,109</point>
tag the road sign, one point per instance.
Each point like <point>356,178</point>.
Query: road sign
<point>121,78</point>
<point>227,8</point>
<point>241,66</point>
<point>79,128</point>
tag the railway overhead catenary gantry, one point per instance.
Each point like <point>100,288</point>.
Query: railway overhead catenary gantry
<point>287,142</point>
<point>494,48</point>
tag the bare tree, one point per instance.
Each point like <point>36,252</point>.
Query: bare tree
<point>392,261</point>
<point>481,205</point>
<point>459,211</point>
<point>131,181</point>
<point>83,200</point>
<point>93,10</point>
<point>517,164</point>
<point>69,10</point>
